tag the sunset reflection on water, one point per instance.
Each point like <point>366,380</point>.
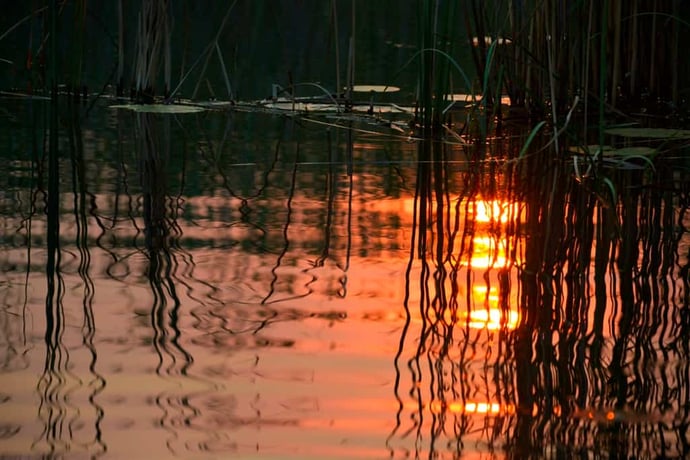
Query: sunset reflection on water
<point>252,299</point>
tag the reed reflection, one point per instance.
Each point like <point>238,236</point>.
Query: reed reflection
<point>66,424</point>
<point>551,317</point>
<point>161,233</point>
<point>465,249</point>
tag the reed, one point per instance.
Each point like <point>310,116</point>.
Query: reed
<point>206,56</point>
<point>152,47</point>
<point>561,49</point>
<point>436,64</point>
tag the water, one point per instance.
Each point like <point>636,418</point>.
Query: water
<point>251,285</point>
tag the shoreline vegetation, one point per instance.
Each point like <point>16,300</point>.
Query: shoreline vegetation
<point>568,69</point>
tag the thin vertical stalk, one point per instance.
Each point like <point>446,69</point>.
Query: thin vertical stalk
<point>602,70</point>
<point>652,58</point>
<point>336,41</point>
<point>78,46</point>
<point>208,52</point>
<point>351,57</point>
<point>615,77</point>
<point>528,67</point>
<point>167,32</point>
<point>674,55</point>
<point>120,47</point>
<point>552,90</point>
<point>550,32</point>
<point>585,71</point>
<point>53,196</point>
<point>225,72</point>
<point>634,40</point>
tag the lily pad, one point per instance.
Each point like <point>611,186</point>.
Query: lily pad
<point>609,151</point>
<point>590,149</point>
<point>631,152</point>
<point>160,108</point>
<point>470,98</point>
<point>375,89</point>
<point>650,133</point>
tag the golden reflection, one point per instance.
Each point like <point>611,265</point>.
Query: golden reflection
<point>493,253</point>
<point>489,252</point>
<point>492,317</point>
<point>491,249</point>
<point>494,211</point>
<point>488,408</point>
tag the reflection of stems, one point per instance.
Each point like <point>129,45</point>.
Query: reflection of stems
<point>288,216</point>
<point>173,359</point>
<point>52,380</point>
<point>330,203</point>
<point>350,159</point>
<point>79,190</point>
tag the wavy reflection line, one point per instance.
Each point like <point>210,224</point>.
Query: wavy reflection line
<point>161,233</point>
<point>327,252</point>
<point>445,346</point>
<point>599,359</point>
<point>52,408</point>
<point>272,289</point>
<point>80,192</point>
<point>213,156</point>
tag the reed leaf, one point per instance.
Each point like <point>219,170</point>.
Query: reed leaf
<point>530,138</point>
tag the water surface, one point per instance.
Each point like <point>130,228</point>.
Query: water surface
<point>240,284</point>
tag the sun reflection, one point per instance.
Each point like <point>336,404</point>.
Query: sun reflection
<point>493,248</point>
<point>494,211</point>
<point>468,407</point>
<point>493,319</point>
<point>489,252</point>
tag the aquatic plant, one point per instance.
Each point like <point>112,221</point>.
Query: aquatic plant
<point>610,51</point>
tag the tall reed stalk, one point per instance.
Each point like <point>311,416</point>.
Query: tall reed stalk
<point>436,29</point>
<point>152,46</point>
<point>562,49</point>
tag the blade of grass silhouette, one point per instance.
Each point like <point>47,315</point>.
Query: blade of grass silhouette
<point>530,138</point>
<point>21,21</point>
<point>207,53</point>
<point>452,61</point>
<point>225,72</point>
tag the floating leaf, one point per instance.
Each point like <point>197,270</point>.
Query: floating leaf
<point>626,163</point>
<point>608,151</point>
<point>650,133</point>
<point>590,149</point>
<point>160,108</point>
<point>375,89</point>
<point>631,152</point>
<point>472,98</point>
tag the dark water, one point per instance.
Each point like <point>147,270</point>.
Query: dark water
<point>251,285</point>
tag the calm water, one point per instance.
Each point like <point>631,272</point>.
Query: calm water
<point>248,285</point>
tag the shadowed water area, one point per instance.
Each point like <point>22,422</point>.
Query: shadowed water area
<point>190,289</point>
<point>288,278</point>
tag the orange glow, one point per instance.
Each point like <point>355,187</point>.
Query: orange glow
<point>467,408</point>
<point>556,410</point>
<point>493,319</point>
<point>487,408</point>
<point>489,253</point>
<point>490,250</point>
<point>495,211</point>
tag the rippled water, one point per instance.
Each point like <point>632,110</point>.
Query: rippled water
<point>250,285</point>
